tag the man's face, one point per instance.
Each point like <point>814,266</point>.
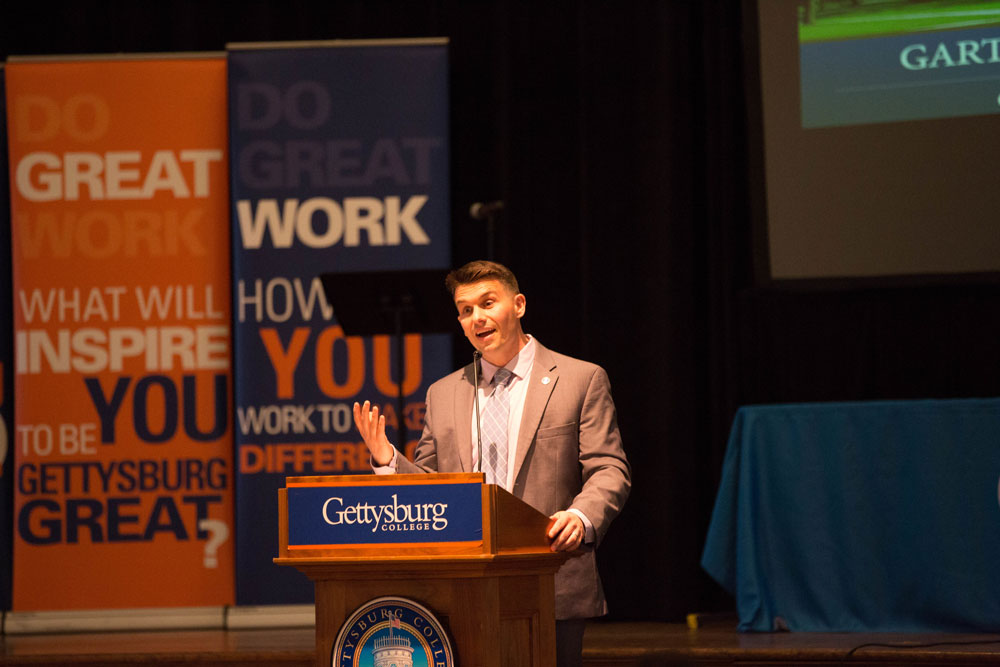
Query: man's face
<point>490,315</point>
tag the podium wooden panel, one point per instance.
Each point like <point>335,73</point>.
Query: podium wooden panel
<point>495,598</point>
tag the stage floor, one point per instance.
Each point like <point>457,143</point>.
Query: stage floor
<point>616,644</point>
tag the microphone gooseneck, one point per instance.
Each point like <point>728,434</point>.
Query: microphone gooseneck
<point>476,356</point>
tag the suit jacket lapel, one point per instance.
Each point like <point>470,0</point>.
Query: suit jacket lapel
<point>464,397</point>
<point>540,385</point>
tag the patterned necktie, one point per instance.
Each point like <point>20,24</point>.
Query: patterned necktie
<point>494,431</point>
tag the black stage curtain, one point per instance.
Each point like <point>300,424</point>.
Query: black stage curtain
<point>620,135</point>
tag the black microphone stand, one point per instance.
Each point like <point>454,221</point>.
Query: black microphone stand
<point>488,214</point>
<point>404,302</point>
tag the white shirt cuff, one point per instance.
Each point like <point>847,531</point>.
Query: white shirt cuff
<point>389,469</point>
<point>591,535</point>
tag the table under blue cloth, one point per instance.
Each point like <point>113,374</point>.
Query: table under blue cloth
<point>842,517</point>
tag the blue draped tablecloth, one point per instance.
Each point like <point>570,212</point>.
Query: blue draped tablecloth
<point>879,516</point>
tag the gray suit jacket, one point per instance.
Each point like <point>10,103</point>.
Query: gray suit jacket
<point>569,455</point>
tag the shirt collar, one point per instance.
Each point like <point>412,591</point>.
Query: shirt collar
<point>519,365</point>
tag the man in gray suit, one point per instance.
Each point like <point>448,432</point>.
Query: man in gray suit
<point>549,433</point>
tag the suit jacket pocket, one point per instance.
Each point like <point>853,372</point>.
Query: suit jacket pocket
<point>554,468</point>
<point>562,430</point>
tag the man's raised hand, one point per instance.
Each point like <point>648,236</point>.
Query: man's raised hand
<point>371,426</point>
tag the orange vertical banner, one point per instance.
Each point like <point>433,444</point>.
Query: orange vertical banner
<point>120,244</point>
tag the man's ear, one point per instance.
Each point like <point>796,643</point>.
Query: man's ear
<point>519,304</point>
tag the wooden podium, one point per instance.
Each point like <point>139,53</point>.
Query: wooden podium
<point>494,595</point>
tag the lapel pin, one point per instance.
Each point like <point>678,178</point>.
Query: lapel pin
<point>545,380</point>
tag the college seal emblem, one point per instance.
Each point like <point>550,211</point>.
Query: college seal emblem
<point>392,632</point>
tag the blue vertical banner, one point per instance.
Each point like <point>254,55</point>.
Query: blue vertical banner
<point>6,367</point>
<point>339,164</point>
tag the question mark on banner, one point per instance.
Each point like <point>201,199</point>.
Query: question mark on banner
<point>218,533</point>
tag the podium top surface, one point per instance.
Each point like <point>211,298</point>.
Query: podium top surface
<point>392,480</point>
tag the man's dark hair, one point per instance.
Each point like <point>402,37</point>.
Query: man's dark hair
<point>479,270</point>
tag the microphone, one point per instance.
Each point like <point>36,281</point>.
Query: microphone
<point>476,356</point>
<point>481,211</point>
